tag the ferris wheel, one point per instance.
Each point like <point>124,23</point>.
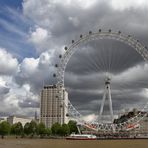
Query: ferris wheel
<point>106,94</point>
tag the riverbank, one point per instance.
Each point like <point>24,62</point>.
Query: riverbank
<point>58,143</point>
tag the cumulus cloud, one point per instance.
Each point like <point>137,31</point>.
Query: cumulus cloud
<point>54,24</point>
<point>16,99</point>
<point>66,21</point>
<point>8,64</point>
<point>122,5</point>
<point>39,38</point>
<point>4,88</point>
<point>35,72</point>
<point>39,35</point>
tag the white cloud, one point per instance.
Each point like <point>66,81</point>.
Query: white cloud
<point>84,4</point>
<point>54,22</point>
<point>8,99</point>
<point>74,21</point>
<point>39,38</point>
<point>123,4</point>
<point>35,71</point>
<point>134,74</point>
<point>39,35</point>
<point>8,64</point>
<point>90,117</point>
<point>2,82</point>
<point>16,99</point>
<point>28,66</point>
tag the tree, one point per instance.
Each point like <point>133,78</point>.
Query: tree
<point>65,130</point>
<point>56,129</point>
<point>27,130</point>
<point>4,128</point>
<point>48,131</point>
<point>33,128</point>
<point>72,126</point>
<point>17,129</point>
<point>41,129</point>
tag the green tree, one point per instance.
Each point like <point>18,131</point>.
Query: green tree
<point>56,129</point>
<point>48,131</point>
<point>33,128</point>
<point>72,126</point>
<point>17,129</point>
<point>4,128</point>
<point>41,129</point>
<point>27,130</point>
<point>65,130</point>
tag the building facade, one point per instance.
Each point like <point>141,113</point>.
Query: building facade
<point>53,108</point>
<point>3,119</point>
<point>144,126</point>
<point>16,119</point>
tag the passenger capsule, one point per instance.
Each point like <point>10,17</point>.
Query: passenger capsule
<point>60,56</point>
<point>72,41</point>
<point>119,32</point>
<point>100,30</point>
<point>67,115</point>
<point>65,48</point>
<point>90,32</point>
<point>81,35</point>
<point>54,75</point>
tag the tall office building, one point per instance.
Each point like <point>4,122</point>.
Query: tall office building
<point>53,108</point>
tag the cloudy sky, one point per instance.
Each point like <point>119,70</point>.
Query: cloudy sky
<point>34,32</point>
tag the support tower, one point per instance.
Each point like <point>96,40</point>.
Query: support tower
<point>107,95</point>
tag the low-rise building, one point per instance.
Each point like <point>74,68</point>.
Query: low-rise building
<point>144,126</point>
<point>2,119</point>
<point>16,119</point>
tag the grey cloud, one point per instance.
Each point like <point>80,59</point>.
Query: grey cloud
<point>38,75</point>
<point>28,103</point>
<point>4,90</point>
<point>101,15</point>
<point>101,55</point>
<point>82,75</point>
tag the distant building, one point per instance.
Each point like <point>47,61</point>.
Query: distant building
<point>35,116</point>
<point>16,119</point>
<point>36,119</point>
<point>3,119</point>
<point>52,109</point>
<point>144,125</point>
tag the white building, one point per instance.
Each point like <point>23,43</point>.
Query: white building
<point>53,108</point>
<point>3,119</point>
<point>16,119</point>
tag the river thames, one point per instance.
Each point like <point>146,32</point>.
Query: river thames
<point>56,143</point>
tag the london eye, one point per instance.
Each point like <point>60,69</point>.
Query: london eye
<point>111,67</point>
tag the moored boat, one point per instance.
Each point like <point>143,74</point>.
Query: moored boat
<point>81,137</point>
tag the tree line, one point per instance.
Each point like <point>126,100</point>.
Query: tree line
<point>32,129</point>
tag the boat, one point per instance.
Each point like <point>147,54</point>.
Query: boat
<point>81,137</point>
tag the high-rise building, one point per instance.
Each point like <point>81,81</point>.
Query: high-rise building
<point>53,108</point>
